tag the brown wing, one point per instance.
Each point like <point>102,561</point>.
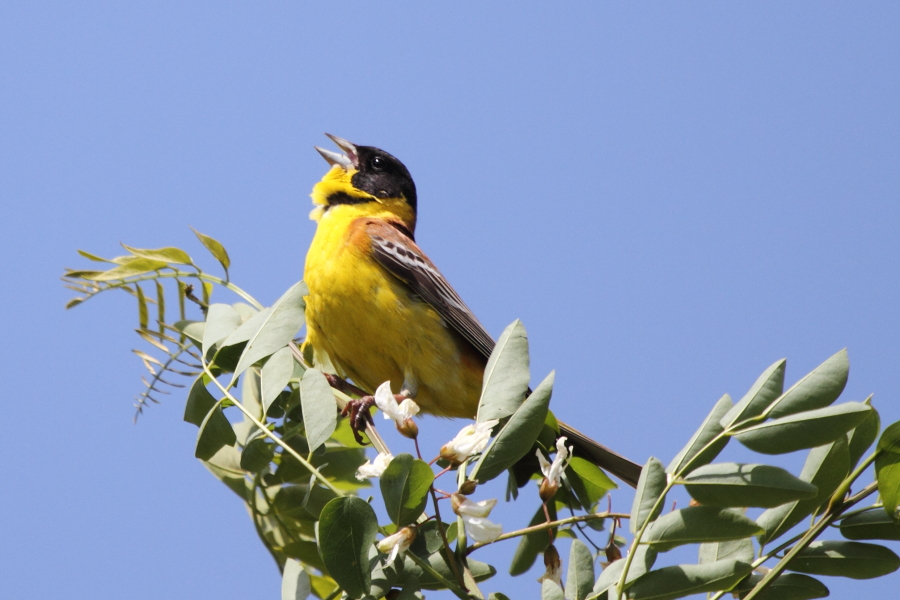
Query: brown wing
<point>398,253</point>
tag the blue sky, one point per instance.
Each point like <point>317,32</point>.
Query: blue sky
<point>671,197</point>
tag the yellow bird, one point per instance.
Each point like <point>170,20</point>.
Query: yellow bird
<point>379,310</point>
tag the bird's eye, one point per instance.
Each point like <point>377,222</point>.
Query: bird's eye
<point>378,163</point>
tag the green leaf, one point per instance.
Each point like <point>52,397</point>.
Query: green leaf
<point>384,577</point>
<point>644,557</point>
<point>404,486</point>
<point>806,429</point>
<point>295,583</point>
<point>411,590</point>
<point>690,456</point>
<point>143,317</point>
<point>199,402</point>
<point>550,590</point>
<point>767,388</point>
<point>245,310</point>
<point>93,257</point>
<point>323,587</point>
<point>865,434</point>
<point>319,408</point>
<point>887,469</point>
<point>248,329</point>
<point>870,525</point>
<point>697,524</point>
<point>428,537</point>
<point>278,329</point>
<point>825,467</point>
<point>306,552</point>
<point>735,484</point>
<point>74,302</point>
<point>250,395</point>
<point>275,375</point>
<point>580,578</point>
<point>347,528</point>
<point>215,432</point>
<point>856,560</point>
<point>221,321</point>
<point>225,466</point>
<point>480,571</point>
<point>193,330</point>
<point>166,255</point>
<point>683,580</point>
<point>517,437</point>
<point>302,502</point>
<point>587,481</point>
<point>81,274</point>
<point>650,487</point>
<point>532,544</point>
<point>818,389</point>
<point>497,596</point>
<point>215,248</point>
<point>787,586</point>
<point>160,306</point>
<point>138,266</point>
<point>505,376</point>
<point>257,455</point>
<point>740,550</point>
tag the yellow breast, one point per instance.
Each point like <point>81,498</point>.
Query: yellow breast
<point>373,329</point>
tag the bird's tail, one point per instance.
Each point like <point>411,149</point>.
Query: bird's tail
<point>603,457</point>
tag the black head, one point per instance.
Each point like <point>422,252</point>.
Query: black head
<point>382,175</point>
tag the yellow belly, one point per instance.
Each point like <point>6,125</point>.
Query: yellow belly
<point>373,329</point>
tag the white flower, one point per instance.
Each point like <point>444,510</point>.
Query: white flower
<point>400,413</point>
<point>464,506</point>
<point>374,468</point>
<point>470,440</point>
<point>473,516</point>
<point>481,530</point>
<point>396,544</point>
<point>553,472</point>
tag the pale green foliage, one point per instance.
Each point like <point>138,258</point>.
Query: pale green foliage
<point>279,446</point>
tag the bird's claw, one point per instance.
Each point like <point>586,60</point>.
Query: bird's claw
<point>358,412</point>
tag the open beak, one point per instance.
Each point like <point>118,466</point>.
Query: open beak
<point>347,161</point>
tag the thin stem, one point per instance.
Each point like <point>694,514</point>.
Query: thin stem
<point>265,431</point>
<point>842,490</point>
<point>550,525</point>
<point>449,556</point>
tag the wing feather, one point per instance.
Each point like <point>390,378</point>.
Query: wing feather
<point>394,250</point>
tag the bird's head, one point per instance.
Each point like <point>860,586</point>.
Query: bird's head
<point>367,181</point>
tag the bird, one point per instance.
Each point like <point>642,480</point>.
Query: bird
<point>378,309</point>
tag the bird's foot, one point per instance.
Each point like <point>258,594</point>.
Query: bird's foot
<point>358,412</point>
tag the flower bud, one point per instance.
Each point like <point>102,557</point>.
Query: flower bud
<point>548,490</point>
<point>613,552</point>
<point>468,487</point>
<point>408,428</point>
